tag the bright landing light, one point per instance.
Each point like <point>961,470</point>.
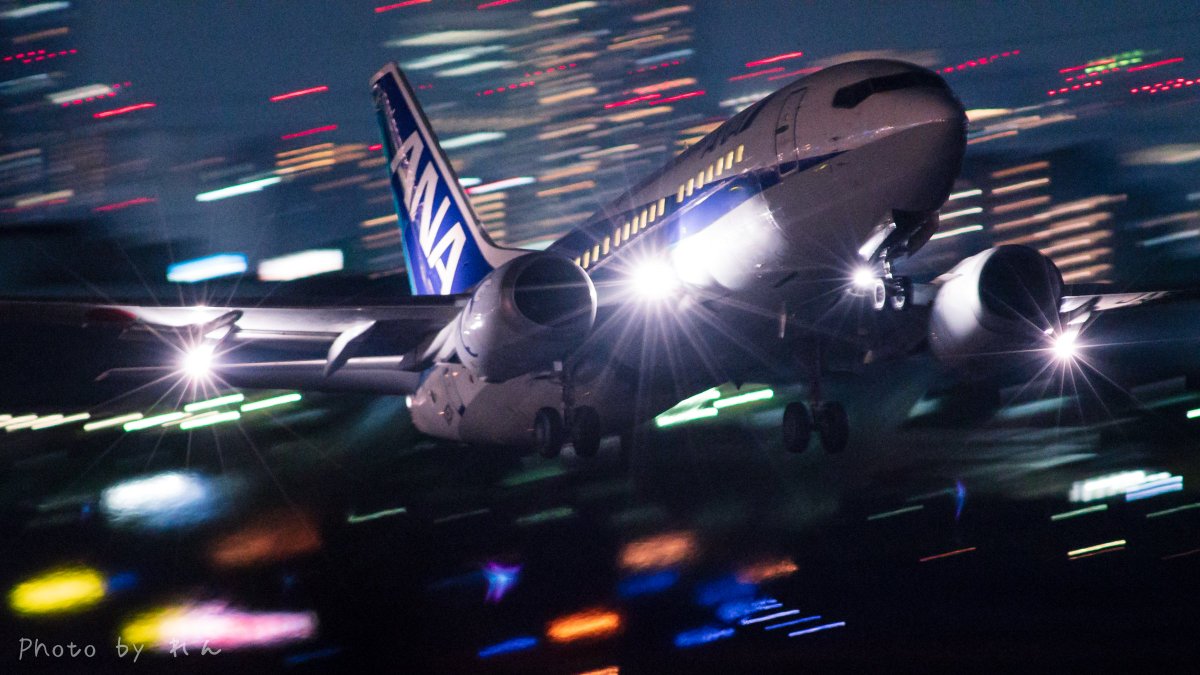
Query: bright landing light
<point>654,280</point>
<point>1066,346</point>
<point>197,362</point>
<point>864,278</point>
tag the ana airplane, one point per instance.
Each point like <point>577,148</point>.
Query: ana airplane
<point>762,253</point>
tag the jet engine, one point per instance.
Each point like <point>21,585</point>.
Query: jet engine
<point>525,315</point>
<point>995,305</point>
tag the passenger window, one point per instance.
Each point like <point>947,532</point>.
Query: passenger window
<point>606,245</point>
<point>691,186</point>
<point>720,166</point>
<point>596,253</point>
<point>579,262</point>
<point>740,150</point>
<point>626,231</point>
<point>709,176</point>
<point>679,195</point>
<point>700,180</point>
<point>662,206</point>
<point>643,220</point>
<point>729,159</point>
<point>587,258</point>
<point>617,236</point>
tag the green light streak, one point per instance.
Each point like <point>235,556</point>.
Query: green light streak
<point>748,397</point>
<point>1078,512</point>
<point>111,421</point>
<point>206,420</point>
<point>1193,413</point>
<point>148,422</point>
<point>667,419</point>
<point>557,513</point>
<point>270,402</point>
<point>1177,509</point>
<point>214,402</point>
<point>897,512</point>
<point>1097,547</point>
<point>353,519</point>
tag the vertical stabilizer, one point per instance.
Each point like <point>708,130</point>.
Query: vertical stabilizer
<point>445,248</point>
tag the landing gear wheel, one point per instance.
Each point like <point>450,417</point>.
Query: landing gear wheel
<point>548,433</point>
<point>899,293</point>
<point>833,426</point>
<point>585,431</point>
<point>797,427</point>
<point>879,294</point>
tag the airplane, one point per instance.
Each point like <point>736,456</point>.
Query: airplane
<point>765,252</point>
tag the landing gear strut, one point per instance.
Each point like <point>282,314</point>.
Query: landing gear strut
<point>827,418</point>
<point>548,434</point>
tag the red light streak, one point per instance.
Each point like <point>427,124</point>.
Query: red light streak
<point>773,59</point>
<point>664,64</point>
<point>503,88</point>
<point>38,55</point>
<point>552,69</point>
<point>1156,64</point>
<point>756,73</point>
<point>802,71</point>
<point>494,3</point>
<point>308,132</point>
<point>299,92</point>
<point>638,99</point>
<point>947,554</point>
<point>120,205</point>
<point>1159,87</point>
<point>680,97</point>
<point>373,148</point>
<point>398,5</point>
<point>982,61</point>
<point>1075,87</point>
<point>122,111</point>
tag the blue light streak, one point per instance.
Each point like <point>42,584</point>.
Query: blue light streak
<point>793,622</point>
<point>814,629</point>
<point>509,646</point>
<point>700,636</point>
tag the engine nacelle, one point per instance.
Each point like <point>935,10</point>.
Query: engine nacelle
<point>525,315</point>
<point>994,306</point>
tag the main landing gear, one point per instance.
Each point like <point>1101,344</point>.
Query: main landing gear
<point>584,431</point>
<point>827,418</point>
<point>884,289</point>
<point>580,425</point>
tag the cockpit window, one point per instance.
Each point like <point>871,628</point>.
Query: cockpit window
<point>850,96</point>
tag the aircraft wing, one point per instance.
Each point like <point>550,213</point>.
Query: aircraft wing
<point>1078,308</point>
<point>372,348</point>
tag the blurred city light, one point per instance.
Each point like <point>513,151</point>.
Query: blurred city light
<point>500,579</point>
<point>508,646</point>
<point>239,189</point>
<point>658,551</point>
<point>209,267</point>
<point>167,500</point>
<point>270,539</point>
<point>67,589</point>
<point>587,625</point>
<point>141,422</point>
<point>301,265</point>
<point>219,626</point>
<point>112,421</point>
<point>700,636</point>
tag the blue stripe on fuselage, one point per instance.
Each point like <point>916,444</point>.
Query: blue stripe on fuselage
<point>695,214</point>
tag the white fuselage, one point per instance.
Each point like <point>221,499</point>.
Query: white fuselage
<point>761,222</point>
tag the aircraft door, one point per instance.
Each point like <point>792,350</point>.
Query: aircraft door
<point>786,150</point>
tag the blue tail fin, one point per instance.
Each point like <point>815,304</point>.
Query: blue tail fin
<point>446,250</point>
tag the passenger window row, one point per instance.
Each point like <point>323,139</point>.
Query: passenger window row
<point>640,220</point>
